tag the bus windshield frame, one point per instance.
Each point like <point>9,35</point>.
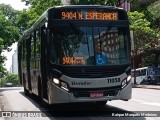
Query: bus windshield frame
<point>95,56</point>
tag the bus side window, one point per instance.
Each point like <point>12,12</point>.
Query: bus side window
<point>37,49</point>
<point>140,72</point>
<point>52,47</point>
<point>144,72</point>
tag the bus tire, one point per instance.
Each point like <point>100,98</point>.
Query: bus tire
<point>26,92</point>
<point>101,103</point>
<point>45,104</point>
<point>39,89</point>
<point>49,92</point>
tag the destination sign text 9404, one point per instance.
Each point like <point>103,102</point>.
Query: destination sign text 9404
<point>88,15</point>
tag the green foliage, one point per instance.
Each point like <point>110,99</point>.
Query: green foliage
<point>22,21</point>
<point>33,16</point>
<point>9,33</point>
<point>2,71</point>
<point>101,2</point>
<point>151,12</point>
<point>144,36</point>
<point>10,78</point>
<point>87,2</point>
<point>10,13</point>
<point>27,18</point>
<point>154,8</point>
<point>148,61</point>
<point>150,18</point>
<point>82,2</point>
<point>35,2</point>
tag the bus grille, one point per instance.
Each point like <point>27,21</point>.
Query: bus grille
<point>85,92</point>
<point>92,72</point>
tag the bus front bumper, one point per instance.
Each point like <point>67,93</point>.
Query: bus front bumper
<point>58,95</point>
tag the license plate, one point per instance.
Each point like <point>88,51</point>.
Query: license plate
<point>96,94</point>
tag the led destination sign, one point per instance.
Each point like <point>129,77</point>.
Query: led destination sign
<point>90,15</point>
<point>74,60</point>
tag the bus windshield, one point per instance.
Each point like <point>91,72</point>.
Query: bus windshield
<point>74,45</point>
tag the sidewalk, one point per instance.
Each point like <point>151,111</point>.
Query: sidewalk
<point>156,87</point>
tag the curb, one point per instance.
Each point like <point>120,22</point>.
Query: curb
<point>146,87</point>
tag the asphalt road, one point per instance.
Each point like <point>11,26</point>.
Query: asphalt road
<point>13,99</point>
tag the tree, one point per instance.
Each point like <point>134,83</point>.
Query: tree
<point>9,33</point>
<point>10,78</point>
<point>154,9</point>
<point>9,13</point>
<point>101,2</point>
<point>22,21</point>
<point>2,71</point>
<point>27,18</point>
<point>145,38</point>
<point>35,2</point>
<point>150,10</point>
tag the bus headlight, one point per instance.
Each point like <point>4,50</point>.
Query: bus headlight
<point>126,81</point>
<point>61,84</point>
<point>56,81</point>
<point>128,78</point>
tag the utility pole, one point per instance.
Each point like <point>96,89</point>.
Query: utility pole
<point>133,56</point>
<point>120,2</point>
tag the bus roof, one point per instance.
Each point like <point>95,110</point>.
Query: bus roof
<point>87,6</point>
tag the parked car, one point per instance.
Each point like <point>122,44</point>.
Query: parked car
<point>9,85</point>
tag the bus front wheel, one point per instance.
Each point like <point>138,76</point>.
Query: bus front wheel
<point>26,92</point>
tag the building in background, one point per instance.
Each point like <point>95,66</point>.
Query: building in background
<point>14,66</point>
<point>10,70</point>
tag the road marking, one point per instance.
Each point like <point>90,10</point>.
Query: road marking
<point>148,103</point>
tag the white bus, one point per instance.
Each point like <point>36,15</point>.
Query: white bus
<point>149,75</point>
<point>77,54</point>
